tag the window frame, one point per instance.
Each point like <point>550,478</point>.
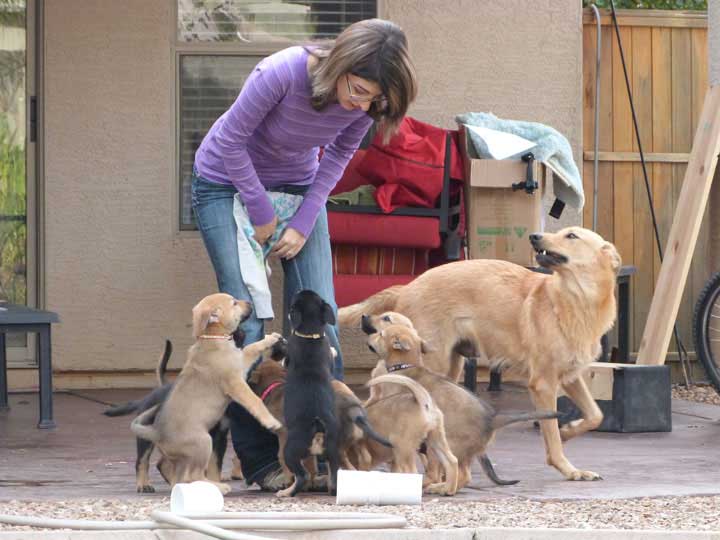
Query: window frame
<point>206,48</point>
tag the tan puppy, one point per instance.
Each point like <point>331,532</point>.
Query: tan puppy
<point>408,417</point>
<point>213,375</point>
<point>470,423</point>
<point>545,326</point>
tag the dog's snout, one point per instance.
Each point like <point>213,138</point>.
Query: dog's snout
<point>367,326</point>
<point>535,237</point>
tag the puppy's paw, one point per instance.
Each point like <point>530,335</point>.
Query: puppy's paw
<point>147,488</point>
<point>285,492</point>
<point>224,488</point>
<point>439,489</point>
<point>273,425</point>
<point>578,475</point>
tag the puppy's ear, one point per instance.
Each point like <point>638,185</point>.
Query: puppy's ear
<point>328,314</point>
<point>400,344</point>
<point>295,317</point>
<point>612,255</point>
<point>202,317</point>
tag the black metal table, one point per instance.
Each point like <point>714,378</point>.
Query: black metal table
<point>22,319</point>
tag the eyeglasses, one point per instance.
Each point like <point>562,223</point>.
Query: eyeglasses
<point>362,99</point>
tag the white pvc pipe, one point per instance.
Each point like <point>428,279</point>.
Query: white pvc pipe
<point>284,521</point>
<point>375,487</point>
<point>202,527</point>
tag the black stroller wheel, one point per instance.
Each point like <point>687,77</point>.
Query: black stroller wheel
<point>706,329</point>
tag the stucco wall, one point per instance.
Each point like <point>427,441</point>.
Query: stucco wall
<point>118,272</point>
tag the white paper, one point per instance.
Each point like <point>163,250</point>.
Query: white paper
<point>502,145</point>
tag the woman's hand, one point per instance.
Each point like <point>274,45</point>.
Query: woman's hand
<point>264,232</point>
<point>289,245</point>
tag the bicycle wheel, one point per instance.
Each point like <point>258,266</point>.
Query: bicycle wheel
<point>706,329</point>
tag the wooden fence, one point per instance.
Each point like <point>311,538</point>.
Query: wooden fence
<point>666,57</point>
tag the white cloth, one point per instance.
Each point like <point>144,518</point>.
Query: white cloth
<point>253,257</point>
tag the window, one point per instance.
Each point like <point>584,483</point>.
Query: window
<point>219,42</point>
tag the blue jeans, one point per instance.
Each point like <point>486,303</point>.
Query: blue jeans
<point>311,268</point>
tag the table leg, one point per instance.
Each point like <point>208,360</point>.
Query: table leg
<point>624,320</point>
<point>470,381</point>
<point>495,384</point>
<point>3,375</point>
<point>46,397</point>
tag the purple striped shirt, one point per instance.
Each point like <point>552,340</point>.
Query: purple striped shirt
<point>271,135</point>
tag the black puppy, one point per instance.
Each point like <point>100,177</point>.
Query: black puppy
<point>309,405</point>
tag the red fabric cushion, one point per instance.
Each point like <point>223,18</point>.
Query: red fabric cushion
<point>383,230</point>
<point>351,289</point>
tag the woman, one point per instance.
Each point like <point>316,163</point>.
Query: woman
<point>294,102</point>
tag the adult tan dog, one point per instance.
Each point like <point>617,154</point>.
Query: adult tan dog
<point>544,326</point>
<point>213,375</point>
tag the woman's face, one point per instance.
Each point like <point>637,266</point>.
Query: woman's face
<point>354,92</point>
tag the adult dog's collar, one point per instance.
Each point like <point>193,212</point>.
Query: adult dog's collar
<point>308,336</point>
<point>270,388</point>
<point>226,337</point>
<point>398,367</point>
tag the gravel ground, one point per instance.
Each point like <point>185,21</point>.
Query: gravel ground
<point>688,513</point>
<point>702,393</point>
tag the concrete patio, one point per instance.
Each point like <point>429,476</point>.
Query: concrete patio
<point>92,456</point>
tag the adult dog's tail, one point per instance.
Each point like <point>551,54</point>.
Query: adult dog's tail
<point>421,395</point>
<point>502,420</point>
<point>142,426</point>
<point>378,303</point>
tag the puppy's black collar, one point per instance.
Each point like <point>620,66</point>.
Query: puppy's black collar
<point>308,336</point>
<point>255,364</point>
<point>398,367</point>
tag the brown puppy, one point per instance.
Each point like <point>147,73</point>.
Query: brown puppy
<point>470,423</point>
<point>409,417</point>
<point>545,326</point>
<point>213,375</point>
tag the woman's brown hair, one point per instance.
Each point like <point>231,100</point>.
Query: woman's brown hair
<point>376,50</point>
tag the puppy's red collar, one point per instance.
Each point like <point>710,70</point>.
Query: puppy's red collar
<point>270,388</point>
<point>398,367</point>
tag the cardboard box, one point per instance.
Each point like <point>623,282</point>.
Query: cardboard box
<point>500,219</point>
